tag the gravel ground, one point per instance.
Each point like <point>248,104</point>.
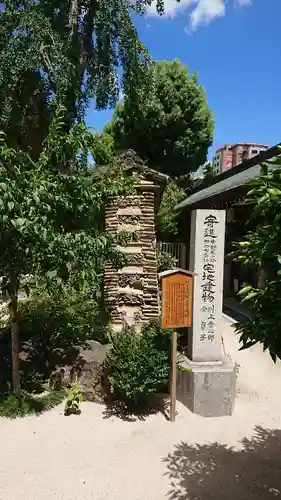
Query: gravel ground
<point>93,457</point>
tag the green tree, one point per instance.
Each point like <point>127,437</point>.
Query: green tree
<point>103,149</point>
<point>52,224</point>
<point>171,126</point>
<point>26,119</point>
<point>208,171</point>
<point>76,51</point>
<point>260,249</point>
<point>167,220</point>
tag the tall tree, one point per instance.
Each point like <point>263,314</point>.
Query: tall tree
<point>103,148</point>
<point>77,49</point>
<point>25,113</point>
<point>171,126</point>
<point>52,225</point>
<point>167,219</point>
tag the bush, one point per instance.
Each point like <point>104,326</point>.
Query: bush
<point>138,366</point>
<point>52,327</point>
<point>13,406</point>
<point>69,316</point>
<point>165,261</point>
<point>167,219</point>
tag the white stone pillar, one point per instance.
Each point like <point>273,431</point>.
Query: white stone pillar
<point>207,239</point>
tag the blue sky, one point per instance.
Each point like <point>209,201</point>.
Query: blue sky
<point>235,45</point>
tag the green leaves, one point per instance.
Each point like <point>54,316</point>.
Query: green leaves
<point>66,53</point>
<point>74,398</point>
<point>261,249</point>
<point>138,365</point>
<point>18,223</point>
<point>165,261</point>
<point>52,274</point>
<point>170,124</point>
<point>52,225</point>
<point>167,219</point>
<point>245,290</point>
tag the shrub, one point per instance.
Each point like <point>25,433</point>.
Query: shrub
<point>165,261</point>
<point>69,316</point>
<point>13,406</point>
<point>167,218</point>
<point>138,366</point>
<point>52,327</point>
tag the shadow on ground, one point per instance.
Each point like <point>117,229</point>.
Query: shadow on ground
<point>129,413</point>
<point>219,472</point>
<point>38,359</point>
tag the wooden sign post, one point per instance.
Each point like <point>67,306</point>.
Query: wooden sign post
<point>177,298</point>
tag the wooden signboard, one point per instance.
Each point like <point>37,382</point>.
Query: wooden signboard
<point>177,304</point>
<point>177,291</point>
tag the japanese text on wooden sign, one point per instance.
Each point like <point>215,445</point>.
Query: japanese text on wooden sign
<point>177,290</point>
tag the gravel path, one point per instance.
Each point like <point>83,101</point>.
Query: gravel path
<point>90,457</point>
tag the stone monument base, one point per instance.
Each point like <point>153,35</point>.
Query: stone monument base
<point>207,389</point>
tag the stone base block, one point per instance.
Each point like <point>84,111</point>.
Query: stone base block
<point>207,389</point>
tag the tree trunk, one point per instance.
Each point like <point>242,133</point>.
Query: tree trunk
<point>13,306</point>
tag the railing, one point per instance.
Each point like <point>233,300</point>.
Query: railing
<point>177,250</point>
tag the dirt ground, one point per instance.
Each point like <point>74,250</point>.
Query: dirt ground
<point>98,456</point>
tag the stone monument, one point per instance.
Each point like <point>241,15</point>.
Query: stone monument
<point>132,292</point>
<point>206,382</point>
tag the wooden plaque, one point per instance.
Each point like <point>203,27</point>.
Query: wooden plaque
<point>177,297</point>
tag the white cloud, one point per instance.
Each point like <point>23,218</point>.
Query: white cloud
<point>205,11</point>
<point>121,96</point>
<point>200,11</point>
<point>172,7</point>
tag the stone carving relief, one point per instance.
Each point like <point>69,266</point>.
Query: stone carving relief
<point>128,237</point>
<point>129,299</point>
<point>134,258</point>
<point>129,219</point>
<point>130,201</point>
<point>133,280</point>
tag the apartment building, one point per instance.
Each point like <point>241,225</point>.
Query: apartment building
<point>231,155</point>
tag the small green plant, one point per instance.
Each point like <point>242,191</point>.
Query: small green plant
<point>165,261</point>
<point>181,368</point>
<point>21,405</point>
<point>138,366</point>
<point>73,400</point>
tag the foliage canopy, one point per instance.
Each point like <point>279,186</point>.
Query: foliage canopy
<point>68,52</point>
<point>167,220</point>
<point>171,127</point>
<point>261,249</point>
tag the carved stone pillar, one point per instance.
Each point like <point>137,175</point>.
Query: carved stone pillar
<point>132,292</point>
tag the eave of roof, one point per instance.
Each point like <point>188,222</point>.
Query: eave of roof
<point>231,180</point>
